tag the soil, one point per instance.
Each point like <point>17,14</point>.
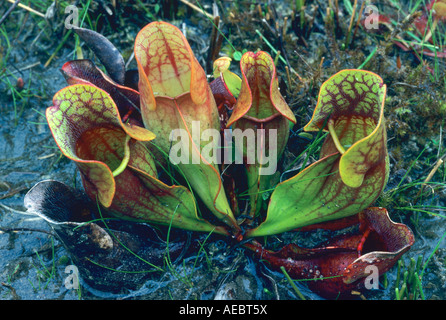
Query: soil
<point>32,259</point>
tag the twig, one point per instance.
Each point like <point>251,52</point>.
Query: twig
<point>16,211</point>
<point>429,177</point>
<point>215,45</point>
<point>28,9</point>
<point>404,84</point>
<point>15,296</point>
<point>58,48</point>
<point>12,192</point>
<point>291,282</point>
<point>435,168</point>
<point>8,12</point>
<point>23,69</point>
<point>347,39</point>
<point>357,21</point>
<point>9,230</point>
<point>187,3</point>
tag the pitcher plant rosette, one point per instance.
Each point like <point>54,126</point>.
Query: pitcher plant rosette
<point>121,140</point>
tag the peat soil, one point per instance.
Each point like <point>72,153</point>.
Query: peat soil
<point>33,261</point>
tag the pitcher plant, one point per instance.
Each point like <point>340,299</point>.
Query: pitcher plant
<point>124,141</point>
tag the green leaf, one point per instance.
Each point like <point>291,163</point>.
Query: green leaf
<point>353,101</point>
<point>237,55</point>
<point>260,105</point>
<point>354,165</point>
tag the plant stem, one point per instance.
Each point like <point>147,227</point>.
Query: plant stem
<point>271,47</point>
<point>28,9</point>
<point>198,9</point>
<point>58,48</point>
<point>347,39</point>
<point>301,296</point>
<point>432,29</point>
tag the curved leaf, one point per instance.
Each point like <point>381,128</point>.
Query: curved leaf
<point>111,256</point>
<point>260,106</point>
<point>167,64</point>
<point>88,130</point>
<point>225,88</point>
<point>106,52</point>
<point>340,265</point>
<point>353,103</point>
<point>259,96</point>
<point>341,183</point>
<point>230,79</point>
<point>379,230</point>
<point>86,72</point>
